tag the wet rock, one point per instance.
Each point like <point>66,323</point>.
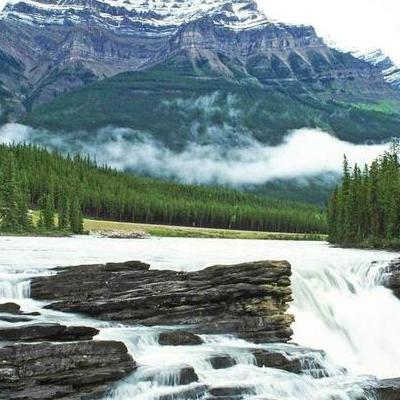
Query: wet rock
<point>72,371</point>
<point>189,393</point>
<point>179,338</point>
<point>292,358</point>
<point>391,277</point>
<point>385,389</point>
<point>222,362</point>
<point>47,371</point>
<point>10,308</point>
<point>187,376</point>
<point>270,359</point>
<point>40,332</point>
<point>250,300</point>
<point>178,375</point>
<point>231,392</point>
<point>15,309</point>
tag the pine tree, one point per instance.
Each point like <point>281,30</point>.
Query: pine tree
<point>23,216</point>
<point>64,213</point>
<point>76,216</point>
<point>47,212</point>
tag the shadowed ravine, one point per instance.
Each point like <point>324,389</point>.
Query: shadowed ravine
<point>339,305</point>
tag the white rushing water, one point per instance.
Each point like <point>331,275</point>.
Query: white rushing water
<point>339,305</point>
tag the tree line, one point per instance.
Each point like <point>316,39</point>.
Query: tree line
<point>73,185</point>
<point>15,216</point>
<point>364,209</point>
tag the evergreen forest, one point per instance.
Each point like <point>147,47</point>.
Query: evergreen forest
<point>364,209</point>
<point>66,188</point>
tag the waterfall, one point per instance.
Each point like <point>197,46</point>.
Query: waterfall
<point>339,304</point>
<point>14,285</point>
<point>345,310</point>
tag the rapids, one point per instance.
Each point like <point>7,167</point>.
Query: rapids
<point>339,304</point>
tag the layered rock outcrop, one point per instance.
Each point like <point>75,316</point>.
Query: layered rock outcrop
<point>249,300</point>
<point>73,371</point>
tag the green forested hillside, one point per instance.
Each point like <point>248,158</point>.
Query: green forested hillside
<point>365,209</point>
<point>108,194</point>
<point>178,103</point>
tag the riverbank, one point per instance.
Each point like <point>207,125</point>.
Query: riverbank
<point>94,226</point>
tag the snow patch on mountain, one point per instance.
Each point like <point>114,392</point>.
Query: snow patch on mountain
<point>390,71</point>
<point>144,14</point>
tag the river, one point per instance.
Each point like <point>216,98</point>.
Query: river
<point>339,305</point>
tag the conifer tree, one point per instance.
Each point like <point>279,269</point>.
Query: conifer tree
<point>24,218</point>
<point>76,216</point>
<point>64,213</point>
<point>47,212</point>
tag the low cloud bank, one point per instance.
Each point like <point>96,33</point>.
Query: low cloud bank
<point>304,153</point>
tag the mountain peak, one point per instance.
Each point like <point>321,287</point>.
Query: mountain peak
<point>149,14</point>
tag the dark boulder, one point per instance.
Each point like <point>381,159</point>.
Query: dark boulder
<point>270,359</point>
<point>250,300</point>
<point>15,309</point>
<point>74,371</point>
<point>41,332</point>
<point>179,338</point>
<point>187,376</point>
<point>10,308</point>
<point>222,362</point>
<point>231,392</point>
<point>294,359</point>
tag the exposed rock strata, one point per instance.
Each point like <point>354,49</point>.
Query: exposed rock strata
<point>249,300</point>
<point>73,371</point>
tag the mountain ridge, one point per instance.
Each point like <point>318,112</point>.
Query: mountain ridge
<point>50,49</point>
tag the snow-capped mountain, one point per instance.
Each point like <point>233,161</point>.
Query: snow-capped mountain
<point>390,71</point>
<point>128,16</point>
<point>212,48</point>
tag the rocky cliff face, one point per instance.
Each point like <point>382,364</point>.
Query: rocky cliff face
<point>249,300</point>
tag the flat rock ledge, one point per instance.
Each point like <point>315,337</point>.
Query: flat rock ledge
<point>50,332</point>
<point>69,371</point>
<point>249,300</point>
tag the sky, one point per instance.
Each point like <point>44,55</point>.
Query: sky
<point>351,24</point>
<point>361,24</point>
